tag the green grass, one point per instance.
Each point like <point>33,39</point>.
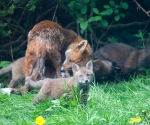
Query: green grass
<point>108,104</point>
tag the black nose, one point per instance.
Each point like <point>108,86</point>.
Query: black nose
<point>86,81</point>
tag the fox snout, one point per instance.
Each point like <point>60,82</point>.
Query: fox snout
<point>83,81</point>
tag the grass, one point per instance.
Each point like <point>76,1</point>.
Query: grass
<point>108,104</point>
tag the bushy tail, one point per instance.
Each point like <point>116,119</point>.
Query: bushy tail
<point>5,70</point>
<point>34,84</point>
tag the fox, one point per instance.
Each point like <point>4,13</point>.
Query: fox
<point>18,71</point>
<point>127,58</point>
<point>101,66</point>
<point>48,40</point>
<point>54,88</point>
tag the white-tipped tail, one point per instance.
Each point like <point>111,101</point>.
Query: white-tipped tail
<point>6,90</point>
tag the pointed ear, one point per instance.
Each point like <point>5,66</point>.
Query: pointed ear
<point>81,46</point>
<point>75,67</point>
<point>89,65</point>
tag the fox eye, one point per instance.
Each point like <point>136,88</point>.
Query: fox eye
<point>80,76</point>
<point>70,60</point>
<point>88,75</point>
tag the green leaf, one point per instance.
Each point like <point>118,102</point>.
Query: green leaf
<point>116,11</point>
<point>77,5</point>
<point>106,6</point>
<point>112,3</point>
<point>71,3</point>
<point>109,11</point>
<point>122,15</point>
<point>80,20</point>
<point>82,31</point>
<point>95,10</point>
<point>84,25</point>
<point>91,19</point>
<point>78,15</point>
<point>104,22</point>
<point>116,6</point>
<point>86,1</point>
<point>83,9</point>
<point>117,17</point>
<point>97,18</point>
<point>124,5</point>
<point>137,35</point>
<point>92,4</point>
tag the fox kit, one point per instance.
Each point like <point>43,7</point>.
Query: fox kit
<point>54,88</point>
<point>18,71</point>
<point>126,57</point>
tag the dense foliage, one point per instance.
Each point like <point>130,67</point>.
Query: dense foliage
<point>98,21</point>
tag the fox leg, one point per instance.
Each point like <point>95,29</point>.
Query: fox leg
<point>39,69</point>
<point>14,82</point>
<point>55,58</point>
<point>57,65</point>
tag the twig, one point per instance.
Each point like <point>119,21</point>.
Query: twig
<point>115,26</point>
<point>106,30</point>
<point>15,31</point>
<point>13,42</point>
<point>78,31</point>
<point>14,50</point>
<point>142,8</point>
<point>70,24</point>
<point>91,40</point>
<point>55,12</point>
<point>43,14</point>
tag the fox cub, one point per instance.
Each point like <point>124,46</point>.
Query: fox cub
<point>125,57</point>
<point>54,88</point>
<point>18,71</point>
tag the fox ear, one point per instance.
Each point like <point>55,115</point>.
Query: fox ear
<point>75,67</point>
<point>89,65</point>
<point>81,46</point>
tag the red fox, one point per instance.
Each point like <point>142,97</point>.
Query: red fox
<point>127,58</point>
<point>101,67</point>
<point>18,71</point>
<point>48,40</point>
<point>54,88</point>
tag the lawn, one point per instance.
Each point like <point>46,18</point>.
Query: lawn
<point>109,103</point>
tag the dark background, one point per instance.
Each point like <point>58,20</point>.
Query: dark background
<point>21,15</point>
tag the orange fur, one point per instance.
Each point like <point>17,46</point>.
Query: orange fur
<point>48,40</point>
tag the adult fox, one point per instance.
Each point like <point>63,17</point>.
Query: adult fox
<point>54,88</point>
<point>125,57</point>
<point>48,40</point>
<point>18,71</point>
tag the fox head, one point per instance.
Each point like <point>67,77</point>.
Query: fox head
<point>83,75</point>
<point>78,54</point>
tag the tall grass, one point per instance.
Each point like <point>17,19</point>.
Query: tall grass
<point>109,103</point>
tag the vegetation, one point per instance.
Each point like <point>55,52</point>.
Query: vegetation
<point>99,22</point>
<point>108,103</point>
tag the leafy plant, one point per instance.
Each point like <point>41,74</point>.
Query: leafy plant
<point>81,8</point>
<point>112,39</point>
<point>141,35</point>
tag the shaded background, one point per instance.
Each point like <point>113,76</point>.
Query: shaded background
<point>98,21</point>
